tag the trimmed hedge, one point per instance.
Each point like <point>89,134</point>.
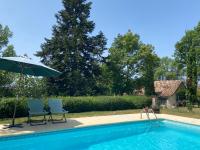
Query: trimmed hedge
<point>79,104</point>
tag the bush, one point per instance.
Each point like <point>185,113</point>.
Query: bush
<point>79,104</point>
<point>181,94</point>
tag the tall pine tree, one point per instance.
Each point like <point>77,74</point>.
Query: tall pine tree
<point>73,50</point>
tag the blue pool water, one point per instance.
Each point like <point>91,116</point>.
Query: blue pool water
<point>143,135</point>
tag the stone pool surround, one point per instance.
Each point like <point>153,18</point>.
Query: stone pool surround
<point>90,121</point>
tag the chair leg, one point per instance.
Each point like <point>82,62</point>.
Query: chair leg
<point>28,120</point>
<point>50,117</point>
<point>64,117</point>
<point>45,120</point>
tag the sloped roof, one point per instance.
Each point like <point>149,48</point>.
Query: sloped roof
<point>167,88</point>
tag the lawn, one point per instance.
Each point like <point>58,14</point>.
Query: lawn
<point>182,111</point>
<point>178,111</point>
<point>78,115</point>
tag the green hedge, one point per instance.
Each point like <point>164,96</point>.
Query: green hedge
<point>79,104</point>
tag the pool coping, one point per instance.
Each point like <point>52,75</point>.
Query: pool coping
<point>2,138</point>
<point>114,119</point>
<point>40,133</point>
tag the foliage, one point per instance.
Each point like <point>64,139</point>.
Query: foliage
<point>188,53</point>
<point>9,51</point>
<point>104,81</point>
<point>73,51</point>
<point>105,103</point>
<point>7,107</point>
<point>122,62</point>
<point>198,92</point>
<point>5,34</point>
<point>181,94</point>
<point>148,61</point>
<point>169,69</point>
<point>79,104</point>
<point>31,86</point>
<point>131,61</point>
<point>6,78</point>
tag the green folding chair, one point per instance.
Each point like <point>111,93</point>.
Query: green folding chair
<point>56,108</point>
<point>36,108</point>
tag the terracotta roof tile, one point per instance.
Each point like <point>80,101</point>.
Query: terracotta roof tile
<point>166,88</point>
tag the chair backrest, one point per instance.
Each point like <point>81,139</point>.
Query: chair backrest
<point>55,105</point>
<point>35,105</point>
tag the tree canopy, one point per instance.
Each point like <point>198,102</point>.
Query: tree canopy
<point>5,34</point>
<point>122,62</point>
<point>148,62</point>
<point>131,61</point>
<point>73,50</point>
<point>7,78</point>
<point>188,54</point>
<point>169,69</point>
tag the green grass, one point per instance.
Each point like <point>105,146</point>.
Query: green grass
<point>195,113</point>
<point>178,111</point>
<point>77,115</point>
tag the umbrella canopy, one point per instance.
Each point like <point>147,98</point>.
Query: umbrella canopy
<point>26,66</point>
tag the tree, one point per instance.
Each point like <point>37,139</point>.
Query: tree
<point>148,62</point>
<point>9,51</point>
<point>5,34</point>
<point>188,53</point>
<point>31,86</point>
<point>6,78</point>
<point>104,81</point>
<point>132,64</point>
<point>169,69</point>
<point>122,62</point>
<point>73,50</point>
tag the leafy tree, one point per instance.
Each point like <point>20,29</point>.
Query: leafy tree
<point>188,53</point>
<point>122,62</point>
<point>132,64</point>
<point>73,50</point>
<point>31,86</point>
<point>5,34</point>
<point>7,78</point>
<point>169,69</point>
<point>148,61</point>
<point>9,51</point>
<point>104,81</point>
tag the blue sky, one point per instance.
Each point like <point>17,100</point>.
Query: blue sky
<point>158,22</point>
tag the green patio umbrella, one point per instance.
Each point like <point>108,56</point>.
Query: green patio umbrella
<point>26,66</point>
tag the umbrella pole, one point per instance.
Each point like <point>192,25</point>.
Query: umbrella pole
<point>15,104</point>
<point>14,113</point>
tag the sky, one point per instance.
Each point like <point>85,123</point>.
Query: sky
<point>158,22</point>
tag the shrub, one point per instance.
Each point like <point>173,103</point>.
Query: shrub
<point>79,104</point>
<point>181,94</point>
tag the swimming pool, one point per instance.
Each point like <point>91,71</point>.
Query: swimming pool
<point>142,135</point>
